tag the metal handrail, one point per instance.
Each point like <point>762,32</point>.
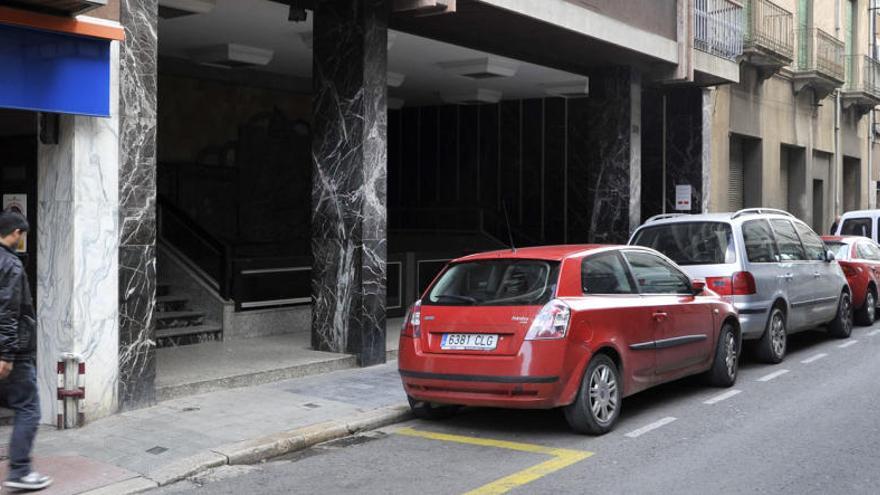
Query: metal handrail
<point>769,26</point>
<point>760,211</point>
<point>821,52</point>
<point>718,28</point>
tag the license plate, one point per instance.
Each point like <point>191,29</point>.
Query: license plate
<point>469,341</point>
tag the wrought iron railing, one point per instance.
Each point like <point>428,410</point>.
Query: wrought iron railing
<point>863,74</point>
<point>770,27</point>
<point>821,52</point>
<point>718,28</point>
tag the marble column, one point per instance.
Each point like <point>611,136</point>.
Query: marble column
<point>349,178</point>
<point>137,202</point>
<point>77,270</point>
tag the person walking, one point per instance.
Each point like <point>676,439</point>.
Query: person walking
<point>18,379</point>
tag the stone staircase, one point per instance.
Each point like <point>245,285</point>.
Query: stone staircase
<point>177,323</point>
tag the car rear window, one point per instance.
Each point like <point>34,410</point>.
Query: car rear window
<point>502,282</point>
<point>759,241</point>
<point>840,249</point>
<point>856,226</point>
<point>690,243</point>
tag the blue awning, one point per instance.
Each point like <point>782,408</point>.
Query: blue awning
<point>54,72</point>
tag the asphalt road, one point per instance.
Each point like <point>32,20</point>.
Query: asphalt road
<point>808,425</point>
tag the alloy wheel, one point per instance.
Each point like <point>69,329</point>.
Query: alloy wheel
<point>846,314</point>
<point>777,334</point>
<point>871,306</point>
<point>730,354</point>
<point>604,395</point>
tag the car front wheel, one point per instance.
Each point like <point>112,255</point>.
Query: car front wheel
<point>867,313</point>
<point>597,406</point>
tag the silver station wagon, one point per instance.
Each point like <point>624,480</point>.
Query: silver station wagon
<point>775,270</point>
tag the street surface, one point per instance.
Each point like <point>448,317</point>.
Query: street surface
<point>808,425</point>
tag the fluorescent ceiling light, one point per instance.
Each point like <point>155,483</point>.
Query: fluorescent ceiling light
<point>232,55</point>
<point>481,68</point>
<point>570,89</point>
<point>169,9</point>
<point>474,97</point>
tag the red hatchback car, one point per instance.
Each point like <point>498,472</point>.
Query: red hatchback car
<point>859,257</point>
<point>579,327</point>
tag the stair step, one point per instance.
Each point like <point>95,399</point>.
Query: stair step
<point>163,289</point>
<point>207,327</point>
<point>165,304</point>
<point>171,299</point>
<point>179,315</point>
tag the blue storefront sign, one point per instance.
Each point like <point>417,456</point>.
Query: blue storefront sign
<point>54,72</point>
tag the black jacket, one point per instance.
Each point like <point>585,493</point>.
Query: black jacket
<point>18,324</point>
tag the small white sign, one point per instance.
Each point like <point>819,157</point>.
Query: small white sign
<point>683,197</point>
<point>17,203</point>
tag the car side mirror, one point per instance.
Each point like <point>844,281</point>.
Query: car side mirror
<point>698,285</point>
<point>829,256</point>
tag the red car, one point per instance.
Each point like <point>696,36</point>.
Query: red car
<point>579,327</point>
<point>859,257</point>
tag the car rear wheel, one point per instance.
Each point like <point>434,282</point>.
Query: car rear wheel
<point>868,312</point>
<point>771,347</point>
<point>724,369</point>
<point>841,326</point>
<point>429,410</point>
<point>597,406</point>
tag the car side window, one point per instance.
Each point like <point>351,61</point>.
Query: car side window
<point>873,251</point>
<point>759,241</point>
<point>862,251</point>
<point>813,245</point>
<point>790,248</point>
<point>654,275</point>
<point>856,226</point>
<point>605,274</point>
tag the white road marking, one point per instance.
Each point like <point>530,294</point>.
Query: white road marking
<point>847,344</point>
<point>721,397</point>
<point>814,357</point>
<point>775,374</point>
<point>653,426</point>
<point>873,332</point>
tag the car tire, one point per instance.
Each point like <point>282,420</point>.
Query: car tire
<point>597,406</point>
<point>841,326</point>
<point>726,363</point>
<point>772,345</point>
<point>428,410</point>
<point>866,314</point>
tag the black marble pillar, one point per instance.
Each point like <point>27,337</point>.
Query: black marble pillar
<point>349,178</point>
<point>137,202</point>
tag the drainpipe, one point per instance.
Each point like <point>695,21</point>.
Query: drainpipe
<point>838,157</point>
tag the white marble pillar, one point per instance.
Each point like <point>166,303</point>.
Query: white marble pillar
<point>77,256</point>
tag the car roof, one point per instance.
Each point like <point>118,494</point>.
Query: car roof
<point>713,217</point>
<point>859,213</point>
<point>849,239</point>
<point>549,253</point>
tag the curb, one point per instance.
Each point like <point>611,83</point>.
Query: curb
<point>258,449</point>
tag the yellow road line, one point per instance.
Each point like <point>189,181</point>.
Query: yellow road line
<point>561,458</point>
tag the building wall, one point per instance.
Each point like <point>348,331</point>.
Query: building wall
<point>656,16</point>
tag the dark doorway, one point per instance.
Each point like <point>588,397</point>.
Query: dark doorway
<point>818,205</point>
<point>18,177</point>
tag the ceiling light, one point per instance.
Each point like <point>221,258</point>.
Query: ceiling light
<point>570,89</point>
<point>169,9</point>
<point>474,97</point>
<point>395,79</point>
<point>232,55</point>
<point>481,68</point>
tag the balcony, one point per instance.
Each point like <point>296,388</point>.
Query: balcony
<point>718,28</point>
<point>820,63</point>
<point>768,43</point>
<point>862,89</point>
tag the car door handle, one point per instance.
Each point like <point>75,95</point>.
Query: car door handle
<point>661,315</point>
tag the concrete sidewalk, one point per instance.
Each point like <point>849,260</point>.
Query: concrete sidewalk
<point>139,450</point>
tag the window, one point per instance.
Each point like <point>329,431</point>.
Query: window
<point>813,245</point>
<point>856,226</point>
<point>605,274</point>
<point>867,251</point>
<point>653,275</point>
<point>760,245</point>
<point>790,248</point>
<point>690,243</point>
<point>840,249</point>
<point>502,282</point>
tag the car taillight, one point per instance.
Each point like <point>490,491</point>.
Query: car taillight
<point>722,286</point>
<point>412,323</point>
<point>743,284</point>
<point>850,271</point>
<point>551,322</point>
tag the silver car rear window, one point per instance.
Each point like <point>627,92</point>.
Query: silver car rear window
<point>690,243</point>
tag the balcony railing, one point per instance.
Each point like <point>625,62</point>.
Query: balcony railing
<point>863,74</point>
<point>821,52</point>
<point>718,28</point>
<point>769,27</point>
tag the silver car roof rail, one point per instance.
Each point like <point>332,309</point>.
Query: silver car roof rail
<point>759,211</point>
<point>665,215</point>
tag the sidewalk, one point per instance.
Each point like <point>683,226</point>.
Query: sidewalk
<point>158,445</point>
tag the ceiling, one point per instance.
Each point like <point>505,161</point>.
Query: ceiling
<point>264,24</point>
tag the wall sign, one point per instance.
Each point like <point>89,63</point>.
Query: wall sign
<point>683,197</point>
<point>17,203</point>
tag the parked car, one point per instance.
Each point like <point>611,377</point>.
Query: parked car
<point>772,267</point>
<point>859,222</point>
<point>859,258</point>
<point>578,327</point>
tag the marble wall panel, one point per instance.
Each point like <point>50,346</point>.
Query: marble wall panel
<point>137,202</point>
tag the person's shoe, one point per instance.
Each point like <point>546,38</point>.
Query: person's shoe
<point>33,481</point>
